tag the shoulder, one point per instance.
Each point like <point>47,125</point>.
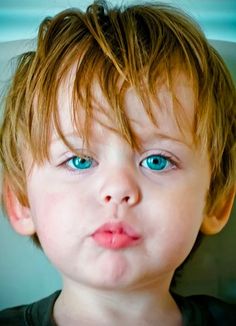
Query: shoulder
<point>35,314</point>
<point>207,310</point>
<point>13,316</point>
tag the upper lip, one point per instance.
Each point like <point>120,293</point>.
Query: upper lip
<point>118,227</point>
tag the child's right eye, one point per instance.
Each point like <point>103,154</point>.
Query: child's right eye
<point>80,163</point>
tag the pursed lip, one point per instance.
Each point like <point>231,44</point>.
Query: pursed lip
<point>116,235</point>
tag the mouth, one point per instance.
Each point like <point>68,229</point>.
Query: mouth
<point>116,236</point>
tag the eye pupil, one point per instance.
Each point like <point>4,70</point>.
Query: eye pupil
<point>156,162</point>
<point>80,163</point>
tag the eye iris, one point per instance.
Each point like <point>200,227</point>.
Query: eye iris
<point>81,162</point>
<point>156,162</point>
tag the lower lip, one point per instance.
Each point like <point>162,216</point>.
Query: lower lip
<point>114,240</point>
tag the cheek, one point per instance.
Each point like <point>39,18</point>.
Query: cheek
<point>54,224</point>
<point>57,214</point>
<point>176,217</point>
<point>58,204</point>
<point>50,213</point>
<point>47,217</point>
<point>45,206</point>
<point>186,214</point>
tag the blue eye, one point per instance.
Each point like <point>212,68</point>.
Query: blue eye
<point>80,163</point>
<point>156,163</point>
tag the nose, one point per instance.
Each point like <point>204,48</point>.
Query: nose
<point>120,188</point>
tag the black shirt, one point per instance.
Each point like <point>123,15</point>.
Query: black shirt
<point>198,310</point>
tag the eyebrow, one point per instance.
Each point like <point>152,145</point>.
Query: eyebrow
<point>146,135</point>
<point>67,136</point>
<point>144,138</point>
<point>159,135</point>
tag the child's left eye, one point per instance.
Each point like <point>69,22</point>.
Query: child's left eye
<point>157,163</point>
<point>80,163</point>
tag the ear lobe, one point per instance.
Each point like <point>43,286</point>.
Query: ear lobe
<point>19,215</point>
<point>216,220</point>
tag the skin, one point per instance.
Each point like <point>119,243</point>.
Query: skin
<point>165,206</point>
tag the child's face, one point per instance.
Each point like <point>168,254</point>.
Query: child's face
<point>154,200</point>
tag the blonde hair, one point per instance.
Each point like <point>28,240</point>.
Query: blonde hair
<point>141,44</point>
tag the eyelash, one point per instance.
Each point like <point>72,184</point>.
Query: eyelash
<point>86,159</point>
<point>170,162</point>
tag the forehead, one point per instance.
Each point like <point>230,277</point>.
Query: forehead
<point>172,107</point>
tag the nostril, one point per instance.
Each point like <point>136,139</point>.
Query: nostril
<point>107,199</point>
<point>126,199</point>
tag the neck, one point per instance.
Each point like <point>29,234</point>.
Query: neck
<point>144,305</point>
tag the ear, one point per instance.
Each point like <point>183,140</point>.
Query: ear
<point>18,214</point>
<point>216,220</point>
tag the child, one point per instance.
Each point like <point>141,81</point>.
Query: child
<point>118,150</point>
